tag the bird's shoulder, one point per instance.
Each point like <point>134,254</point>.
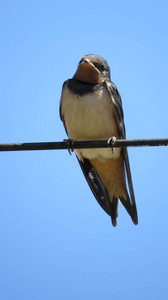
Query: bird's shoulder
<point>116,99</point>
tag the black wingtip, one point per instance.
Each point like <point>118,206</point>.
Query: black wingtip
<point>95,183</point>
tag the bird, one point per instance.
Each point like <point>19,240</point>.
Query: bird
<point>91,109</point>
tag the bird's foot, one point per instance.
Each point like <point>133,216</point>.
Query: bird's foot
<point>70,144</point>
<point>111,141</point>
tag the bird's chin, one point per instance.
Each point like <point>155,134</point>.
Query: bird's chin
<point>87,72</point>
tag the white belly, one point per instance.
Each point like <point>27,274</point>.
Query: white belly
<point>90,117</point>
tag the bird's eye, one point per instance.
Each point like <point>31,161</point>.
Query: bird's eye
<point>101,68</point>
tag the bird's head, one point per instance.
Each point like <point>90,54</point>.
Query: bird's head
<point>92,69</point>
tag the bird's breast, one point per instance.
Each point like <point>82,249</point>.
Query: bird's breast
<point>90,117</point>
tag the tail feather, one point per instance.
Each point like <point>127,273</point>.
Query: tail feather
<point>112,205</point>
<point>131,209</point>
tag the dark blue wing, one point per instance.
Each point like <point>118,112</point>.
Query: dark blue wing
<point>95,183</point>
<point>119,116</point>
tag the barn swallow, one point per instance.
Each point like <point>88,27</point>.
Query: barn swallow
<point>91,109</point>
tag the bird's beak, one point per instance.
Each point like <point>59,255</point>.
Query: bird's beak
<point>87,72</point>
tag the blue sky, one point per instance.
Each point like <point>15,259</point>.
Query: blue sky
<point>55,240</point>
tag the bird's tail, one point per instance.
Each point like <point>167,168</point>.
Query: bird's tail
<point>112,203</point>
<point>131,209</point>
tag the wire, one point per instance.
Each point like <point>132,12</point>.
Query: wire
<point>70,144</point>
